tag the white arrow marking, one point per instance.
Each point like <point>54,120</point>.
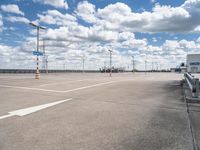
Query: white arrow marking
<point>29,110</point>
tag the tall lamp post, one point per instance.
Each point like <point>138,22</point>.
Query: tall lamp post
<point>44,57</point>
<point>46,63</point>
<point>145,66</point>
<point>133,64</point>
<point>37,73</point>
<point>110,62</point>
<point>83,67</point>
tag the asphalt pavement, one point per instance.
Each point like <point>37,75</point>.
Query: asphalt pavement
<point>92,111</point>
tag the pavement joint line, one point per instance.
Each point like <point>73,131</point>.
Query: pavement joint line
<point>30,110</point>
<point>56,91</point>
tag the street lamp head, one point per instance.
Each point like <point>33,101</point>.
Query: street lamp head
<point>42,27</point>
<point>37,26</point>
<point>110,50</point>
<point>31,23</point>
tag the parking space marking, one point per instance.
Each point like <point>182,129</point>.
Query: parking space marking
<point>89,86</point>
<point>60,82</point>
<point>30,110</point>
<point>56,91</point>
<point>29,88</point>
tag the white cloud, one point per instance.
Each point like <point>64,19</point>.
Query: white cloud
<point>123,36</point>
<point>99,35</point>
<point>197,29</point>
<point>58,34</point>
<point>181,47</point>
<point>152,1</point>
<point>13,57</point>
<point>96,53</point>
<point>120,17</point>
<point>1,23</point>
<point>138,44</point>
<point>112,27</point>
<point>46,19</point>
<point>86,11</point>
<point>12,8</point>
<point>170,45</point>
<point>154,39</point>
<point>198,40</point>
<point>17,19</point>
<point>162,19</point>
<point>117,8</point>
<point>55,3</point>
<point>57,18</point>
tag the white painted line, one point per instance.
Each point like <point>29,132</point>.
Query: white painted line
<point>6,116</point>
<point>56,91</point>
<point>90,86</point>
<point>60,82</point>
<point>29,110</point>
<point>29,88</point>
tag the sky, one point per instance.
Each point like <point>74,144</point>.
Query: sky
<point>160,32</point>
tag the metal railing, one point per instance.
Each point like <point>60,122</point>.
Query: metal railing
<point>193,84</point>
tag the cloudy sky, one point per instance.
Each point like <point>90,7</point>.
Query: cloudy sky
<point>162,32</point>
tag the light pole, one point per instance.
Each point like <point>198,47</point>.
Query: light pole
<point>37,73</point>
<point>46,64</point>
<point>157,66</point>
<point>110,62</point>
<point>104,66</point>
<point>83,60</point>
<point>44,57</point>
<point>145,66</point>
<point>133,64</point>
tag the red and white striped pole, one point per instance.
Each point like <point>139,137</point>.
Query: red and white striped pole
<point>37,73</point>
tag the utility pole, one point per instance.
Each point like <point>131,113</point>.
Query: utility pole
<point>160,68</point>
<point>157,65</point>
<point>145,66</point>
<point>44,55</point>
<point>46,64</point>
<point>104,67</point>
<point>83,60</point>
<point>110,62</point>
<point>133,64</point>
<point>37,73</point>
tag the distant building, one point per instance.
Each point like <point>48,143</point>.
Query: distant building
<point>193,63</point>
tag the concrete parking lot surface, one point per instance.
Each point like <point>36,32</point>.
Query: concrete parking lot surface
<point>95,112</point>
